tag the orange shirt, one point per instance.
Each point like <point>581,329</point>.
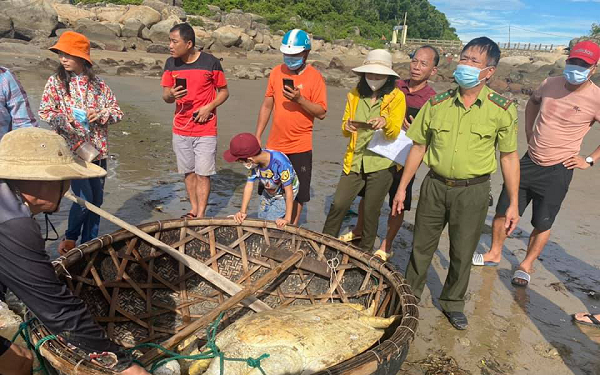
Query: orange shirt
<point>291,131</point>
<point>565,118</point>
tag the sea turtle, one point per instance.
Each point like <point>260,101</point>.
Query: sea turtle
<point>299,339</point>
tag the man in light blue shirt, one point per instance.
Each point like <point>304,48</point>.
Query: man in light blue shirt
<point>14,106</point>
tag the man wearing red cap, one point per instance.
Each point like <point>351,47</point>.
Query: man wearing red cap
<point>557,117</point>
<point>274,170</point>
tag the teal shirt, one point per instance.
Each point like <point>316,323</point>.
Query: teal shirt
<point>368,160</point>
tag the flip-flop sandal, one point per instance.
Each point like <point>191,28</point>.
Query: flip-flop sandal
<point>381,254</point>
<point>478,261</point>
<point>189,215</point>
<point>520,275</point>
<point>595,322</point>
<point>349,237</point>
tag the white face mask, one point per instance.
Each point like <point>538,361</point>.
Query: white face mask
<point>376,84</point>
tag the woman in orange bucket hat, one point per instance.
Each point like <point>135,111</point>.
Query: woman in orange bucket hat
<point>79,106</point>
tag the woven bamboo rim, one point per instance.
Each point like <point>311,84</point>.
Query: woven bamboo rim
<point>391,294</point>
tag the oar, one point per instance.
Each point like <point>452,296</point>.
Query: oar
<point>197,266</point>
<point>227,304</point>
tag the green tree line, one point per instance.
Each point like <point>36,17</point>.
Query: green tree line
<point>337,19</point>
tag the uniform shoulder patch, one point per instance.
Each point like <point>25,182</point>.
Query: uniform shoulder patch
<point>499,100</point>
<point>437,99</point>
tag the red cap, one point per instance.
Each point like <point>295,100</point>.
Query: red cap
<point>587,51</point>
<point>242,146</point>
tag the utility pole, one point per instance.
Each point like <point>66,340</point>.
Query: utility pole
<point>509,35</point>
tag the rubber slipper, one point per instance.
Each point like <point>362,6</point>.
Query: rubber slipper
<point>478,261</point>
<point>381,254</point>
<point>189,215</point>
<point>349,237</point>
<point>595,322</point>
<point>520,275</point>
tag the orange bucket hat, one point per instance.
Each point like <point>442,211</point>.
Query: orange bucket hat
<point>74,44</point>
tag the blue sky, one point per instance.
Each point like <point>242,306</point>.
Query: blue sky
<point>532,21</point>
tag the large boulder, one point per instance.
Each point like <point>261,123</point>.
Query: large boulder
<point>247,43</point>
<point>260,47</point>
<point>171,11</point>
<point>111,13</point>
<point>241,20</point>
<point>158,48</point>
<point>147,15</point>
<point>137,44</point>
<point>515,60</point>
<point>31,18</point>
<point>228,36</point>
<point>6,26</point>
<point>159,33</point>
<point>100,35</point>
<point>275,42</point>
<point>115,27</point>
<point>21,49</point>
<point>157,5</point>
<point>132,28</point>
<point>69,14</point>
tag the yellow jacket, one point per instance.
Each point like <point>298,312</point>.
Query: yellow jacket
<point>393,108</point>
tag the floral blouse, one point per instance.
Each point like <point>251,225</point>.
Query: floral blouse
<point>57,106</point>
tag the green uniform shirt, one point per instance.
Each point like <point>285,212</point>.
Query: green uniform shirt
<point>370,161</point>
<point>461,143</point>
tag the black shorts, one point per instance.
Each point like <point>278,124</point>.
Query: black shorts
<point>545,186</point>
<point>394,189</point>
<point>302,163</point>
<point>4,345</point>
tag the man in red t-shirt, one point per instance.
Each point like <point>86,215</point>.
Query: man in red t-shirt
<point>296,93</point>
<point>195,81</point>
<point>417,92</point>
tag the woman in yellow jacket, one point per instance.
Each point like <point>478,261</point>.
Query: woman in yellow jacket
<point>374,105</point>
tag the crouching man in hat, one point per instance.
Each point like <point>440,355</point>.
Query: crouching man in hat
<point>36,167</point>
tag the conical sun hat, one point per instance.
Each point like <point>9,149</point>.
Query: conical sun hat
<point>378,61</point>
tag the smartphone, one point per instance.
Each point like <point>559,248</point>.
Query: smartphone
<point>288,82</point>
<point>411,111</point>
<point>181,82</point>
<point>360,125</point>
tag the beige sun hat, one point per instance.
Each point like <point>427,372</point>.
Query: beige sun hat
<point>41,155</point>
<point>378,61</point>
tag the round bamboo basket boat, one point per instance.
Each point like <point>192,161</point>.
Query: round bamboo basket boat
<point>140,294</point>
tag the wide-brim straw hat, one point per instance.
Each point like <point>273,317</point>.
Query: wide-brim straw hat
<point>74,44</point>
<point>41,155</point>
<point>378,61</point>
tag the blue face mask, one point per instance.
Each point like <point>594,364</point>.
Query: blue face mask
<point>81,116</point>
<point>293,62</point>
<point>575,74</point>
<point>467,76</point>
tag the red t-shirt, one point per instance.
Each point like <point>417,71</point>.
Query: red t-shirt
<point>203,77</point>
<point>291,131</point>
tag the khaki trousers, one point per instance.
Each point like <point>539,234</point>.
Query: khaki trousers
<point>377,184</point>
<point>464,210</point>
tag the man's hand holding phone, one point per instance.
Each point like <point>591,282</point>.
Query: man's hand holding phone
<point>203,114</point>
<point>178,92</point>
<point>291,93</point>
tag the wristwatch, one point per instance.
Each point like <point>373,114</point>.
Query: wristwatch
<point>590,161</point>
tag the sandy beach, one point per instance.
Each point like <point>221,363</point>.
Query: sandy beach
<point>512,330</point>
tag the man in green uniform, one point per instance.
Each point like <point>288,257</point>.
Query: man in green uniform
<point>457,133</point>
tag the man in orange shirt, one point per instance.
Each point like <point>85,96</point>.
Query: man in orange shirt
<point>296,93</point>
<point>557,117</point>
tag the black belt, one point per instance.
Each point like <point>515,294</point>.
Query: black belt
<point>465,182</point>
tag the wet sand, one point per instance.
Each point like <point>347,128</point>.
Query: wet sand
<point>512,330</point>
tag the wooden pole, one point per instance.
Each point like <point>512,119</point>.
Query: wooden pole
<point>200,268</point>
<point>229,303</point>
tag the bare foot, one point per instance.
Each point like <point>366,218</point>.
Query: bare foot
<point>489,257</point>
<point>587,319</point>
